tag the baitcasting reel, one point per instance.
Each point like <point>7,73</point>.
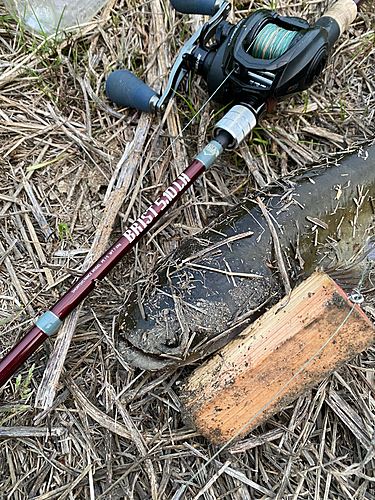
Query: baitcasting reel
<point>253,65</point>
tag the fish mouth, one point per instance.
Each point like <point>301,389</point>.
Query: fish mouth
<point>193,329</point>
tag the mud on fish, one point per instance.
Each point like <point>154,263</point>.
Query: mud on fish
<point>223,278</point>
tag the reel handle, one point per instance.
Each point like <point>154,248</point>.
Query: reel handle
<point>126,89</point>
<point>204,7</point>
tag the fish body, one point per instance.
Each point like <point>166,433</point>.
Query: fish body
<point>224,277</point>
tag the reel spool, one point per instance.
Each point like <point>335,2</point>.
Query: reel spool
<point>272,42</point>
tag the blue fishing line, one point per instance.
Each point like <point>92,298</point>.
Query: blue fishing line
<point>272,42</point>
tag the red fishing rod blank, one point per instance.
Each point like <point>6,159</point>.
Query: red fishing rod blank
<point>50,321</point>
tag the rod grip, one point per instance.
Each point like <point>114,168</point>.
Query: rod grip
<point>203,7</point>
<point>343,12</point>
<point>126,89</point>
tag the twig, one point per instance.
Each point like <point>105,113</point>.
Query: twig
<point>16,282</point>
<point>278,251</point>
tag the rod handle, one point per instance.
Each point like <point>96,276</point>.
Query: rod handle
<point>126,89</point>
<point>343,12</point>
<point>203,7</point>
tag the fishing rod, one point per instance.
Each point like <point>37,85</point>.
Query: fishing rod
<point>252,65</point>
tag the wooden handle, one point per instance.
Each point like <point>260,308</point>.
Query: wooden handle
<point>264,369</point>
<point>343,12</point>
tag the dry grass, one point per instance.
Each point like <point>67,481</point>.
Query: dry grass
<point>113,432</point>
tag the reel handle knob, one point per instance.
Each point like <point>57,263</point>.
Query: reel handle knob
<point>126,89</point>
<point>204,7</point>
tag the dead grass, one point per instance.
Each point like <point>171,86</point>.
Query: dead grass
<point>113,432</point>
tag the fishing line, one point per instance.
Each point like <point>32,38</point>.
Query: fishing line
<point>272,42</point>
<point>179,492</point>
